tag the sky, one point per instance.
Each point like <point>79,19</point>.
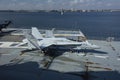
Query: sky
<point>58,4</point>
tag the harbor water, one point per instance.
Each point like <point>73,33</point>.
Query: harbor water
<point>93,24</point>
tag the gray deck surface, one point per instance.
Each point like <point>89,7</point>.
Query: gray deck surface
<point>99,64</point>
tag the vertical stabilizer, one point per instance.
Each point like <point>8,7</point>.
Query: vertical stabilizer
<point>32,42</point>
<point>49,34</point>
<point>36,33</point>
<point>81,34</point>
<point>83,38</point>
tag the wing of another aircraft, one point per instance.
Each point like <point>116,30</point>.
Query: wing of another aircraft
<point>5,25</point>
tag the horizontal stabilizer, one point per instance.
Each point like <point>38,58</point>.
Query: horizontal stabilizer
<point>32,44</point>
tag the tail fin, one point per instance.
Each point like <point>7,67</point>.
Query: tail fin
<point>49,34</point>
<point>83,38</point>
<point>36,33</point>
<point>32,42</point>
<point>81,34</point>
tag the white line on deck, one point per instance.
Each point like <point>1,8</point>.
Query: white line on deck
<point>118,59</point>
<point>101,56</point>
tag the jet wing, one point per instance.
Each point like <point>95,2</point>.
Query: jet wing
<point>66,42</point>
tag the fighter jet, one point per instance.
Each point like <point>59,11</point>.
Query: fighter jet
<point>5,25</point>
<point>36,40</point>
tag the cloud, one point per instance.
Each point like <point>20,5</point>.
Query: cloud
<point>73,2</point>
<point>58,4</point>
<point>50,1</point>
<point>109,4</point>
